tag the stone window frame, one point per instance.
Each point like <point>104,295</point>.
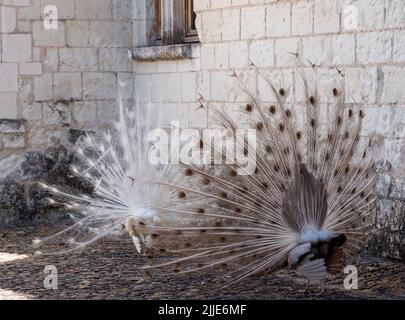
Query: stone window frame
<point>174,22</point>
<point>170,31</point>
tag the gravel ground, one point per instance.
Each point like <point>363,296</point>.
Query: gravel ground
<point>109,270</point>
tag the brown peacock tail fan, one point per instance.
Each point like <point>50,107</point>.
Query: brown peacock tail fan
<point>313,184</point>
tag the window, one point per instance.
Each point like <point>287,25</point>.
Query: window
<point>174,22</point>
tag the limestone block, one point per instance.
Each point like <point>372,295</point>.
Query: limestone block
<point>114,59</point>
<point>302,17</point>
<point>66,9</point>
<point>374,47</point>
<point>93,9</point>
<point>43,87</point>
<point>99,86</point>
<point>253,22</point>
<point>262,53</point>
<point>278,20</point>
<point>8,78</point>
<point>8,19</point>
<point>67,86</point>
<point>78,59</point>
<point>8,105</point>
<point>77,33</point>
<point>17,48</point>
<point>34,68</point>
<point>49,38</point>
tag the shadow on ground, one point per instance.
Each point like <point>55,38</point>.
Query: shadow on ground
<point>110,270</point>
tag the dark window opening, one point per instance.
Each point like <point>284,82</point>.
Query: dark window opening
<point>174,22</point>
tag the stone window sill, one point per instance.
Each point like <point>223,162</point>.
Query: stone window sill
<point>171,52</point>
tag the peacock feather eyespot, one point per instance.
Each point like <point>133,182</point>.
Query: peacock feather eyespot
<point>272,109</point>
<point>282,92</point>
<point>206,181</point>
<point>249,108</point>
<point>335,92</point>
<point>223,195</point>
<point>259,126</point>
<point>312,100</point>
<point>233,173</point>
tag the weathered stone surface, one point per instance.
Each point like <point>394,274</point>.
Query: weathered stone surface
<point>93,9</point>
<point>12,126</point>
<point>162,53</point>
<point>13,141</point>
<point>115,59</point>
<point>302,17</point>
<point>67,86</point>
<point>66,9</point>
<point>388,244</point>
<point>43,87</point>
<point>57,113</point>
<point>279,20</point>
<point>31,68</point>
<point>100,86</point>
<point>8,19</point>
<point>8,79</point>
<point>8,105</point>
<point>48,38</point>
<point>253,22</point>
<point>78,59</point>
<point>17,48</point>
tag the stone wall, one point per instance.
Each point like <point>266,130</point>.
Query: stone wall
<point>53,81</point>
<point>63,78</point>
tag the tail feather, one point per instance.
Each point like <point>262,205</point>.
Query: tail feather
<point>305,177</point>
